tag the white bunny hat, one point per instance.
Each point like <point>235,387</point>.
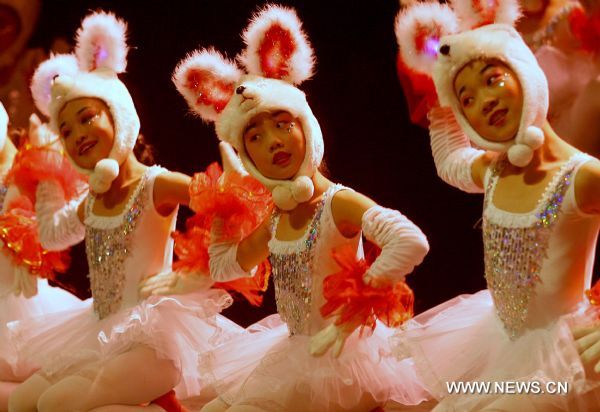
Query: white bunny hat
<point>439,41</point>
<point>278,57</point>
<point>100,54</point>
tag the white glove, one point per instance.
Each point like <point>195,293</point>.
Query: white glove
<point>173,283</point>
<point>40,135</point>
<point>24,283</point>
<point>59,226</point>
<point>403,245</point>
<point>331,336</point>
<point>587,340</point>
<point>452,152</point>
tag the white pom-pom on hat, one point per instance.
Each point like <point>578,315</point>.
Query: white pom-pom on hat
<point>105,172</point>
<point>520,154</point>
<point>283,198</point>
<point>276,46</point>
<point>302,189</point>
<point>418,31</point>
<point>101,43</point>
<point>206,79</point>
<point>533,137</point>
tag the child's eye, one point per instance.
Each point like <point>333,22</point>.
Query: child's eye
<point>492,79</point>
<point>467,101</point>
<point>88,118</point>
<point>65,133</point>
<point>254,138</point>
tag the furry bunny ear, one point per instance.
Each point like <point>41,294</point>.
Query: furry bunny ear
<point>206,80</point>
<point>276,46</point>
<point>101,43</point>
<point>476,13</point>
<point>46,72</point>
<point>418,32</point>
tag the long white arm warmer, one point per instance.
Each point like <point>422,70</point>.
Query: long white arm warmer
<point>223,262</point>
<point>58,223</point>
<point>452,151</point>
<point>403,245</point>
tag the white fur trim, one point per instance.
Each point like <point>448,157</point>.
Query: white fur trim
<point>501,42</point>
<point>437,19</point>
<point>301,62</point>
<point>220,68</point>
<point>105,172</point>
<point>101,43</point>
<point>487,12</point>
<point>41,82</point>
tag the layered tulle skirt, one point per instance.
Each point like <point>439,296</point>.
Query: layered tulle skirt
<point>270,369</point>
<point>463,340</point>
<point>13,308</point>
<point>175,327</point>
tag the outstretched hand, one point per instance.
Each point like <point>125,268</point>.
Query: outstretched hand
<point>332,336</point>
<point>173,283</point>
<point>230,159</point>
<point>40,135</point>
<point>587,340</point>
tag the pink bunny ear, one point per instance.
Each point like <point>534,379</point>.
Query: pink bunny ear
<point>418,32</point>
<point>206,80</point>
<point>101,43</point>
<point>41,82</point>
<point>276,46</point>
<point>475,13</point>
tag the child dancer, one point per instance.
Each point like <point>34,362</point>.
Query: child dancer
<point>23,291</point>
<point>540,218</point>
<point>128,350</point>
<point>270,124</point>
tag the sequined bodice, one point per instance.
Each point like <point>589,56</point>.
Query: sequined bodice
<point>293,274</point>
<point>3,190</point>
<point>516,253</point>
<point>107,250</point>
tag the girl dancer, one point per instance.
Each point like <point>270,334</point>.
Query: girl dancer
<point>127,351</point>
<point>540,218</point>
<point>270,124</point>
<point>23,292</point>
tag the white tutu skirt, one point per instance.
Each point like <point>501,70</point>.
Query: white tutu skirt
<point>268,368</point>
<point>463,340</point>
<point>13,308</point>
<point>176,327</point>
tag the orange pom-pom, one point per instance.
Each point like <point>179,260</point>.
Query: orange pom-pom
<point>18,232</point>
<point>356,303</point>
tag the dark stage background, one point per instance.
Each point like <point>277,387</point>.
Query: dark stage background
<point>371,145</point>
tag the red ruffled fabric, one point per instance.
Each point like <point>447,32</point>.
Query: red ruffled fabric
<point>419,92</point>
<point>593,294</point>
<point>356,303</point>
<point>18,231</point>
<point>586,28</point>
<point>32,165</point>
<point>242,203</point>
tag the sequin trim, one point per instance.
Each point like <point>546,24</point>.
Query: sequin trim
<point>292,275</point>
<point>107,250</point>
<point>514,255</point>
<point>3,190</point>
